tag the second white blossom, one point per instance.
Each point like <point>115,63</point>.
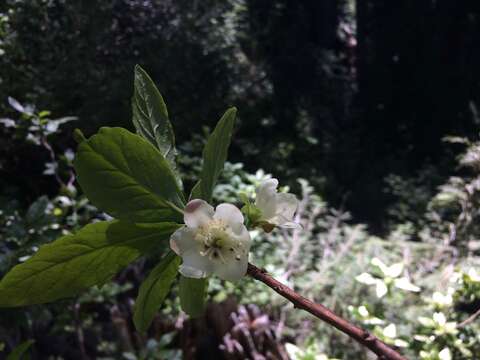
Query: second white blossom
<point>276,208</point>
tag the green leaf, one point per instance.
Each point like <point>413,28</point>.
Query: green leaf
<point>37,212</point>
<point>193,295</point>
<point>154,289</point>
<point>124,175</point>
<point>196,192</point>
<point>215,153</point>
<point>78,136</point>
<point>76,262</point>
<point>20,350</point>
<point>150,116</point>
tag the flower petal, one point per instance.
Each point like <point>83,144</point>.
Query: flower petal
<point>287,204</point>
<point>228,213</point>
<point>241,235</point>
<point>473,275</point>
<point>232,270</point>
<point>439,318</point>
<point>395,270</point>
<point>197,213</point>
<point>381,289</point>
<point>366,278</point>
<point>445,354</point>
<point>182,240</point>
<point>195,265</point>
<point>266,198</point>
<point>390,331</point>
<point>405,284</point>
<point>380,264</point>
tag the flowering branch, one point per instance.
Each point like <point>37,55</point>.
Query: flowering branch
<point>363,337</point>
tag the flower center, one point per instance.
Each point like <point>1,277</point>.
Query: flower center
<point>216,242</point>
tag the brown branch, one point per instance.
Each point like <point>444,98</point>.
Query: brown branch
<point>470,319</point>
<point>363,337</point>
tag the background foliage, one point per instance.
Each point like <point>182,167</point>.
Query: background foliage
<point>349,103</point>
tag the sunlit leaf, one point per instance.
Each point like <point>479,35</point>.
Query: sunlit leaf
<point>215,153</point>
<point>76,262</point>
<point>124,175</point>
<point>150,116</point>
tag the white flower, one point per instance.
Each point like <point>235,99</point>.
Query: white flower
<point>390,331</point>
<point>445,354</point>
<point>380,286</point>
<point>473,275</point>
<point>392,271</point>
<point>277,208</point>
<point>405,284</point>
<point>363,311</point>
<point>212,241</point>
<point>439,318</point>
<point>400,343</point>
<point>391,274</point>
<point>441,300</point>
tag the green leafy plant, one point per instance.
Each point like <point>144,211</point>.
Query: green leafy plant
<point>20,350</point>
<point>134,179</point>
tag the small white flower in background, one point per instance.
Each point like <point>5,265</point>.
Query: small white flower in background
<point>277,208</point>
<point>405,284</point>
<point>311,352</point>
<point>367,279</point>
<point>424,338</point>
<point>390,335</point>
<point>445,354</point>
<point>212,242</point>
<point>441,300</point>
<point>392,271</point>
<point>362,310</point>
<point>439,324</point>
<point>439,318</point>
<point>473,275</point>
<point>390,276</point>
<point>365,315</point>
<point>390,331</point>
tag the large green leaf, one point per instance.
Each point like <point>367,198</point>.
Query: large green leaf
<point>20,350</point>
<point>154,290</point>
<point>215,153</point>
<point>76,262</point>
<point>150,116</point>
<point>193,295</point>
<point>124,175</point>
